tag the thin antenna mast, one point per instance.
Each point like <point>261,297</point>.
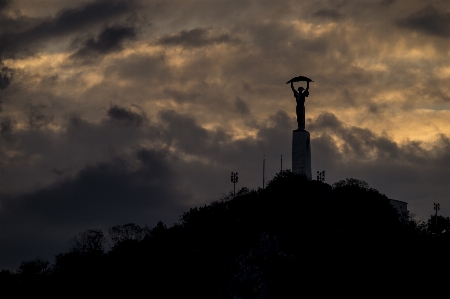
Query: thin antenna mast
<point>264,170</point>
<point>281,164</point>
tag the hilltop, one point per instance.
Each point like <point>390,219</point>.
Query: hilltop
<point>294,235</point>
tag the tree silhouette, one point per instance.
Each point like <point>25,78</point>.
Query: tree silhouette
<point>89,241</point>
<point>127,232</point>
<point>294,236</point>
<point>443,225</point>
<point>33,268</point>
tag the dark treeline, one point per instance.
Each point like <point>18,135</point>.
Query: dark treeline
<point>294,236</point>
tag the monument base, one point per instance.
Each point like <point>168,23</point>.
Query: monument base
<point>301,153</point>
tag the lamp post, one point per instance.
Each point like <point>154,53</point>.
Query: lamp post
<point>321,176</point>
<point>234,180</point>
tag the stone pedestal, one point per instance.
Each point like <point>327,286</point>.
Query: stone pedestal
<point>301,153</point>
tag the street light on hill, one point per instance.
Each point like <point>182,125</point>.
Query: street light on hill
<point>234,180</point>
<point>321,176</point>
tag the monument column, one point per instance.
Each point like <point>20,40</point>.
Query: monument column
<point>301,153</point>
<point>301,146</point>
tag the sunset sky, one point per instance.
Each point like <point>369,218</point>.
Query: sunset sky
<point>134,111</point>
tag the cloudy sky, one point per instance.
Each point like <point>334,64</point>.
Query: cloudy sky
<point>134,111</point>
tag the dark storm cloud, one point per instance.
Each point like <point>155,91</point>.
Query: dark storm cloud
<point>100,195</point>
<point>3,4</point>
<point>213,153</point>
<point>216,148</point>
<point>428,20</point>
<point>361,145</point>
<point>326,121</point>
<point>376,108</point>
<point>101,190</point>
<point>5,76</point>
<point>40,149</point>
<point>66,22</point>
<point>6,125</point>
<point>126,116</point>
<point>37,117</point>
<point>241,107</point>
<point>140,70</point>
<point>198,37</point>
<point>357,142</point>
<point>328,14</point>
<point>182,96</point>
<point>183,132</point>
<point>92,13</point>
<point>348,98</point>
<point>412,171</point>
<point>278,127</point>
<point>109,40</point>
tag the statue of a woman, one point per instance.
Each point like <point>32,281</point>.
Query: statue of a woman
<point>300,96</point>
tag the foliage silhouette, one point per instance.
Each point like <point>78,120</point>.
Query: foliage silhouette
<point>443,225</point>
<point>89,241</point>
<point>293,236</point>
<point>129,232</point>
<point>33,268</point>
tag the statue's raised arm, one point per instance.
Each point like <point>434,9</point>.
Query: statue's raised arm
<point>306,92</point>
<point>292,87</point>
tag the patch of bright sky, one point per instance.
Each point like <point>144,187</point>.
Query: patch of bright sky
<point>369,64</point>
<point>240,131</point>
<point>404,49</point>
<point>37,63</point>
<point>313,30</point>
<point>419,124</point>
<point>442,72</point>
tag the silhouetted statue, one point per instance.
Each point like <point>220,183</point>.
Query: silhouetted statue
<point>300,96</point>
<point>300,108</point>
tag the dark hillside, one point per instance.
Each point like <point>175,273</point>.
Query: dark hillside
<point>293,236</point>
